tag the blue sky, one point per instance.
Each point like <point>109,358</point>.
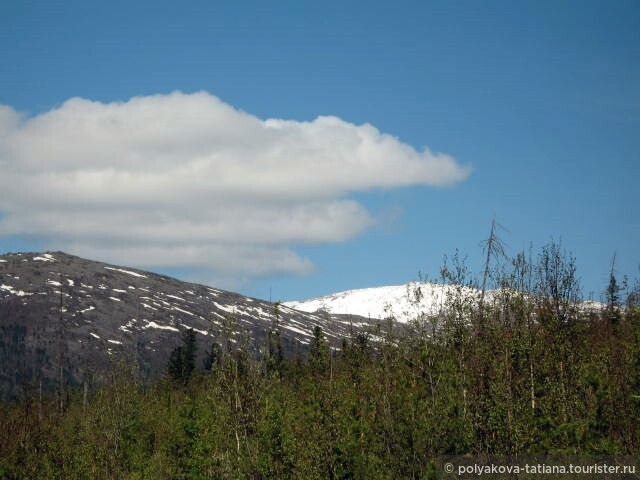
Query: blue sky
<point>541,99</point>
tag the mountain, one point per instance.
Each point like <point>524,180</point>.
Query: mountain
<point>61,313</point>
<point>403,302</point>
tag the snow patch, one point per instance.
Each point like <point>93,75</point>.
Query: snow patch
<point>115,299</point>
<point>129,324</point>
<point>13,291</point>
<point>225,308</point>
<point>161,327</point>
<point>177,298</point>
<point>261,312</point>
<point>46,257</point>
<point>297,330</point>
<point>94,335</point>
<point>183,311</point>
<point>128,272</point>
<point>201,332</point>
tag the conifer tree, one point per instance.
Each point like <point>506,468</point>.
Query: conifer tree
<point>213,358</point>
<point>318,351</point>
<point>275,355</point>
<point>182,361</point>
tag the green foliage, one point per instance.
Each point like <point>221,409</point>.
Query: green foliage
<point>319,353</point>
<point>182,361</point>
<point>213,358</point>
<point>274,355</point>
<point>544,377</point>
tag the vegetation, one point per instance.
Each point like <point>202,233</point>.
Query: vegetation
<point>182,361</point>
<point>525,370</point>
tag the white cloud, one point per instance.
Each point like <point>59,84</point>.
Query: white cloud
<point>187,181</point>
<point>9,120</point>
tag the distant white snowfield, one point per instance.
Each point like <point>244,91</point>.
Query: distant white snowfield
<point>399,301</point>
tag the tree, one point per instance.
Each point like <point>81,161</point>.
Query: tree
<point>274,353</point>
<point>213,358</point>
<point>495,248</point>
<point>182,361</point>
<point>613,294</point>
<point>558,286</point>
<point>319,351</point>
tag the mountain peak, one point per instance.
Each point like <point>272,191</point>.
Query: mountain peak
<point>402,302</point>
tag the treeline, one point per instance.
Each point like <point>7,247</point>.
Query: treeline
<point>524,369</point>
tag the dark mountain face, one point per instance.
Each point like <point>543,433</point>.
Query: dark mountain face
<point>64,317</point>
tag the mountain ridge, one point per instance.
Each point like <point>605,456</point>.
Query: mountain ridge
<point>60,312</point>
<point>402,302</point>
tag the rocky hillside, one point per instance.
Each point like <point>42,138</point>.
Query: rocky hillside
<point>64,316</point>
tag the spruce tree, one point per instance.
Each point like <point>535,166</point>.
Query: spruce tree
<point>182,361</point>
<point>318,351</point>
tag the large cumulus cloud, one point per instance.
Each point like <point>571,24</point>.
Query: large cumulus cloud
<point>187,181</point>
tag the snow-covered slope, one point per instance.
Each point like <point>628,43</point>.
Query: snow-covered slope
<point>403,302</point>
